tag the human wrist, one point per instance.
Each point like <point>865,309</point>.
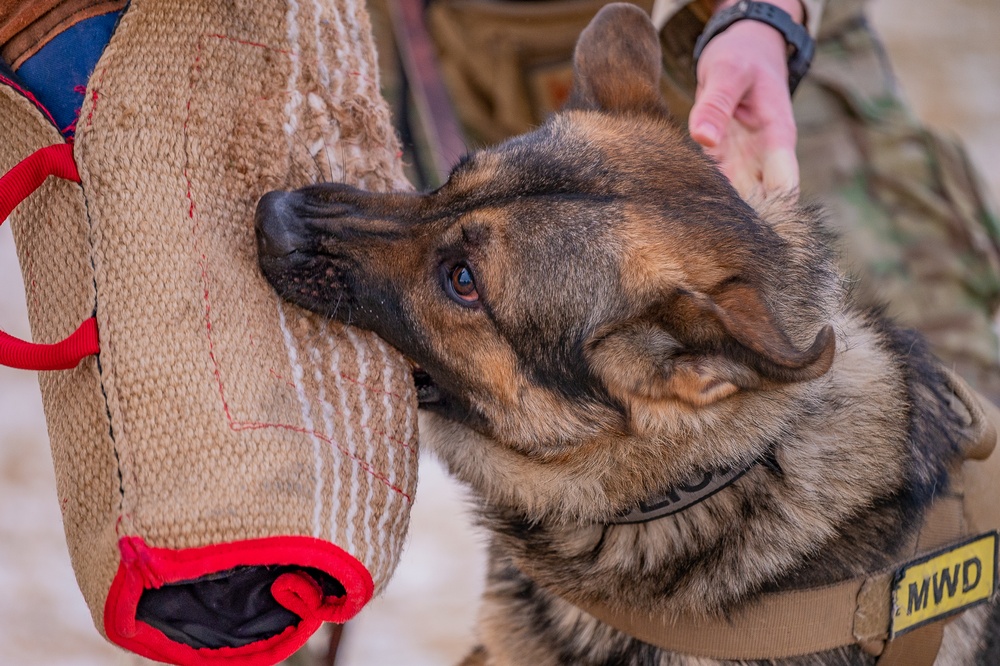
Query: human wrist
<point>800,46</point>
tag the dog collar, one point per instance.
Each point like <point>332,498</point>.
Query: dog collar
<point>682,496</point>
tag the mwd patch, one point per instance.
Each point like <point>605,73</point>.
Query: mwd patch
<point>944,583</point>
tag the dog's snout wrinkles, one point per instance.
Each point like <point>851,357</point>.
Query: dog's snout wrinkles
<point>278,227</point>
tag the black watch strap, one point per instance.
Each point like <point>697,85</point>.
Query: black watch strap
<point>799,41</point>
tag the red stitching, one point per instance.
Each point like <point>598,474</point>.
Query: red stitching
<point>383,433</point>
<point>367,79</point>
<point>30,97</point>
<point>93,96</point>
<point>238,426</point>
<point>371,388</point>
<point>287,382</point>
<point>353,380</point>
<point>235,425</point>
<point>70,130</point>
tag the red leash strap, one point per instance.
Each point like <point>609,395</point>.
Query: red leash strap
<point>16,186</point>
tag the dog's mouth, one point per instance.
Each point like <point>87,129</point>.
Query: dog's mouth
<point>428,392</point>
<point>303,273</point>
<point>314,282</point>
<point>433,398</point>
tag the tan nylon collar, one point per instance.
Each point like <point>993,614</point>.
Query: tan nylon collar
<point>806,621</point>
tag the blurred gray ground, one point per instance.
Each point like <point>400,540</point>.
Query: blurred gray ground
<point>947,56</point>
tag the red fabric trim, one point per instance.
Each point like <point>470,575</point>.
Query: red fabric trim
<point>143,567</point>
<point>301,594</point>
<point>16,186</point>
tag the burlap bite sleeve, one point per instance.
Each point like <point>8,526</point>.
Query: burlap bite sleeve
<point>232,470</point>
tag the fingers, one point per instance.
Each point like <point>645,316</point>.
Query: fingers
<point>746,184</point>
<point>755,168</point>
<point>742,114</point>
<point>780,173</point>
<point>718,96</point>
<point>776,174</point>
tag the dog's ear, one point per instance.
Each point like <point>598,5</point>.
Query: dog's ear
<point>698,349</point>
<point>617,62</point>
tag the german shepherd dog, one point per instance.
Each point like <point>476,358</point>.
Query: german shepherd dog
<point>597,318</point>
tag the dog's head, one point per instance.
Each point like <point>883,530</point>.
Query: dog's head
<point>594,276</point>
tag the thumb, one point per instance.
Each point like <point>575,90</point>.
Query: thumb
<point>714,106</point>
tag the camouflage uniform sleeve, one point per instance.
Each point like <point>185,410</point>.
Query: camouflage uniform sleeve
<point>915,225</point>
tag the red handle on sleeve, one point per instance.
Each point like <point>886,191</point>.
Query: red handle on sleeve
<point>15,186</point>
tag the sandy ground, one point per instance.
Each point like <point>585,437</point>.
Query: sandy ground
<point>948,58</point>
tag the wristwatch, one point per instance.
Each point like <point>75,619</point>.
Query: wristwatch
<point>800,44</point>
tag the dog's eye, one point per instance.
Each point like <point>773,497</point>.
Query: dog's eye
<point>462,285</point>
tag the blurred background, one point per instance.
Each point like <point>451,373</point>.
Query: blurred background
<point>947,57</point>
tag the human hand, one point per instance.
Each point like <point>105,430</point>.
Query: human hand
<point>742,114</point>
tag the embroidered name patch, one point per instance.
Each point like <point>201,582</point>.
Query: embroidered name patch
<point>944,583</point>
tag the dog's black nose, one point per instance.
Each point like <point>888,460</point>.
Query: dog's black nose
<point>279,229</point>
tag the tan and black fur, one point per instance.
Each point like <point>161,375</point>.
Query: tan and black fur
<point>631,322</point>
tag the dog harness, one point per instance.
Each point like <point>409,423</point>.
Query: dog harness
<point>897,614</point>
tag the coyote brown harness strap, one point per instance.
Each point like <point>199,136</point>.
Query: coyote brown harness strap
<point>870,611</point>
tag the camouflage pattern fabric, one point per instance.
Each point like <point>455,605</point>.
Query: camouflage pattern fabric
<point>911,213</point>
<point>914,224</point>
